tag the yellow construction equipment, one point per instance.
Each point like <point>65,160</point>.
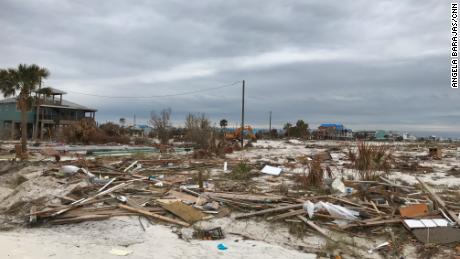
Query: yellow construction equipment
<point>238,134</point>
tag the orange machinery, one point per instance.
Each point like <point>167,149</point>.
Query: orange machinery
<point>238,134</point>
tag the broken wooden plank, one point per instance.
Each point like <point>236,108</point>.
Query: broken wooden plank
<point>262,212</point>
<point>314,226</point>
<point>388,182</point>
<point>247,197</point>
<point>183,211</point>
<point>130,166</point>
<point>287,215</point>
<point>107,184</point>
<point>373,223</point>
<point>375,208</point>
<point>439,201</point>
<point>89,199</point>
<point>154,215</point>
<point>79,219</point>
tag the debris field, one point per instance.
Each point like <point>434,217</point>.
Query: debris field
<point>317,199</point>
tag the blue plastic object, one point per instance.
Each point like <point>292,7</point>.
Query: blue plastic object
<point>221,246</point>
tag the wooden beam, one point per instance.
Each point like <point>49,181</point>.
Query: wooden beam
<point>154,215</point>
<point>439,201</point>
<point>262,212</point>
<point>314,226</point>
<point>287,215</point>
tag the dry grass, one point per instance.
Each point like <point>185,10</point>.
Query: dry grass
<point>86,131</point>
<point>241,172</point>
<point>370,160</point>
<point>315,177</point>
<point>427,251</point>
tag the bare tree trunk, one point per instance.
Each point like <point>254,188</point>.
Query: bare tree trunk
<point>23,128</point>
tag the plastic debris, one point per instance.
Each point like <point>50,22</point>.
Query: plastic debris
<point>70,169</point>
<point>310,208</point>
<point>336,211</point>
<point>222,246</point>
<point>370,251</point>
<point>338,186</point>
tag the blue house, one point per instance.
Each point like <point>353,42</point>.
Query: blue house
<point>47,118</point>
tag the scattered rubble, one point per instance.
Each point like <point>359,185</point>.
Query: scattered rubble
<point>343,207</point>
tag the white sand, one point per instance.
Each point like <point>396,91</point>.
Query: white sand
<point>97,239</point>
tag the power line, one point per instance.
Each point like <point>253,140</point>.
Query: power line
<point>158,96</point>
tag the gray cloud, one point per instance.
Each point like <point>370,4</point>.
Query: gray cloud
<point>367,64</point>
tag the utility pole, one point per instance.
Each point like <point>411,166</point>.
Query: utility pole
<point>242,119</point>
<point>270,125</point>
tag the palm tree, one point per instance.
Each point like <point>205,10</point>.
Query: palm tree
<point>24,80</point>
<point>223,123</point>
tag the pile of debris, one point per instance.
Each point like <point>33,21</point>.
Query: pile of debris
<point>181,192</point>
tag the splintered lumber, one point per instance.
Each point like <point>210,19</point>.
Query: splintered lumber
<point>247,197</point>
<point>130,166</point>
<point>439,201</point>
<point>262,212</point>
<point>287,215</point>
<point>107,184</point>
<point>314,226</point>
<point>372,223</point>
<point>375,208</point>
<point>154,215</point>
<point>238,203</point>
<point>388,182</point>
<point>85,201</point>
<point>79,219</point>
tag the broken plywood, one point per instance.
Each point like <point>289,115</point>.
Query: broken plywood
<point>183,211</point>
<point>183,196</point>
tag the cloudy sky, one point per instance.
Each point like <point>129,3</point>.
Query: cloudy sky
<point>366,64</point>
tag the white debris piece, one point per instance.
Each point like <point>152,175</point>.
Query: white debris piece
<point>336,211</point>
<point>120,252</point>
<point>310,208</point>
<point>70,169</point>
<point>338,186</point>
<point>426,223</point>
<point>130,166</point>
<point>271,170</point>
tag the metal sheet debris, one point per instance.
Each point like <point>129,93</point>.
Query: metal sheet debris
<point>271,170</point>
<point>425,223</point>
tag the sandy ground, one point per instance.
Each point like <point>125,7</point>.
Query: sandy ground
<point>98,239</point>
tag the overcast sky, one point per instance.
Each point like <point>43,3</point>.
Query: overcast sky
<point>366,64</point>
